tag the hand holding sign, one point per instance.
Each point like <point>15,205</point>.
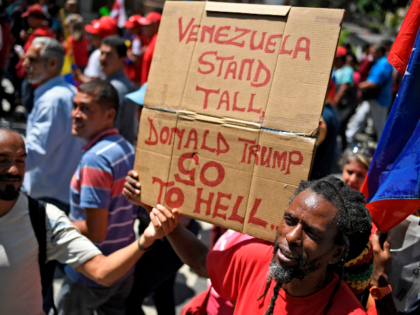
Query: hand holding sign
<point>131,189</point>
<point>163,222</point>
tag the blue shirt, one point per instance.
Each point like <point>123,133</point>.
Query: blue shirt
<point>343,75</point>
<point>53,152</point>
<point>381,74</point>
<point>98,183</point>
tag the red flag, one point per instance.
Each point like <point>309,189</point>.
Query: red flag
<point>401,50</point>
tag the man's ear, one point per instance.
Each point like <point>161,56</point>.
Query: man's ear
<point>112,114</point>
<point>337,254</point>
<point>52,63</point>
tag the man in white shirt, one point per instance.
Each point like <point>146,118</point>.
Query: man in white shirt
<point>20,282</point>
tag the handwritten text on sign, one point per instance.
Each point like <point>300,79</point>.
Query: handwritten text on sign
<point>191,143</point>
<point>226,65</point>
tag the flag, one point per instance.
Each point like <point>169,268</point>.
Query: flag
<point>68,64</point>
<point>401,50</point>
<point>393,182</point>
<point>118,13</point>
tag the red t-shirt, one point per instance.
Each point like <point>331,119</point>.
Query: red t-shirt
<point>239,273</point>
<point>147,59</point>
<point>80,50</point>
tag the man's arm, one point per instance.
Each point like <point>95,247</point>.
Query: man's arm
<point>366,85</point>
<point>106,270</point>
<point>188,247</point>
<point>95,226</point>
<point>190,250</point>
<point>341,92</point>
<point>381,264</point>
<point>79,76</point>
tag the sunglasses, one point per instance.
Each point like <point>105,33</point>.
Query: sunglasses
<point>359,148</point>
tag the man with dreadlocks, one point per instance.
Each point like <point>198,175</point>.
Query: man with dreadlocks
<point>325,226</point>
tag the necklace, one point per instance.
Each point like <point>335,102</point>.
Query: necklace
<point>321,283</point>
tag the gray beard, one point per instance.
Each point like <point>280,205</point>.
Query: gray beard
<point>285,275</point>
<point>281,274</point>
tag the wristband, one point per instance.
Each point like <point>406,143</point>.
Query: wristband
<point>379,292</point>
<point>142,248</point>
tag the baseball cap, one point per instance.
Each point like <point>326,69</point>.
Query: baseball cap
<point>138,96</point>
<point>341,51</point>
<point>34,10</point>
<point>133,21</point>
<point>152,17</point>
<point>103,27</point>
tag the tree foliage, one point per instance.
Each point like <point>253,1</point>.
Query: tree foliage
<point>374,8</point>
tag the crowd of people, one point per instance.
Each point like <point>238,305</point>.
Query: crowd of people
<point>69,194</point>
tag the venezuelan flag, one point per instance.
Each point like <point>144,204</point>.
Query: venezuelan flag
<point>392,186</point>
<point>69,63</point>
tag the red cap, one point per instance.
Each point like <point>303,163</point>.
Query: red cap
<point>341,51</point>
<point>133,21</point>
<point>152,17</point>
<point>34,10</point>
<point>103,27</point>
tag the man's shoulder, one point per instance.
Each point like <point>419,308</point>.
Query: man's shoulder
<point>252,251</point>
<point>122,84</point>
<point>60,91</point>
<point>383,64</point>
<point>56,219</point>
<point>109,148</point>
<point>346,303</point>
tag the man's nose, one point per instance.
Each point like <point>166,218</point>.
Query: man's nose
<point>294,236</point>
<point>75,112</point>
<point>13,169</point>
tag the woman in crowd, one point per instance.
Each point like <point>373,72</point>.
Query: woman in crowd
<point>356,161</point>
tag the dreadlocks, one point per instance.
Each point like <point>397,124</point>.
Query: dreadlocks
<point>353,223</point>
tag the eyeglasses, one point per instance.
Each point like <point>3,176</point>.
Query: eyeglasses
<point>365,149</point>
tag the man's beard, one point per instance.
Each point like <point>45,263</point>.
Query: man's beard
<point>38,78</point>
<point>284,275</point>
<point>9,192</point>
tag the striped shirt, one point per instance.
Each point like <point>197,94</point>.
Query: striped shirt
<point>98,183</point>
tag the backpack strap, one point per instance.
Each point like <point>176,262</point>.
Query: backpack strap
<point>37,213</point>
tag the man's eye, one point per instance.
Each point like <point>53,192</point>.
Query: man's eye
<point>312,234</point>
<point>288,221</point>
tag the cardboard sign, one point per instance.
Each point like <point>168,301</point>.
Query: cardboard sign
<point>232,109</point>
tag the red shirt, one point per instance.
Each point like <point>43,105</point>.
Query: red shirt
<point>147,59</point>
<point>239,273</point>
<point>80,50</point>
